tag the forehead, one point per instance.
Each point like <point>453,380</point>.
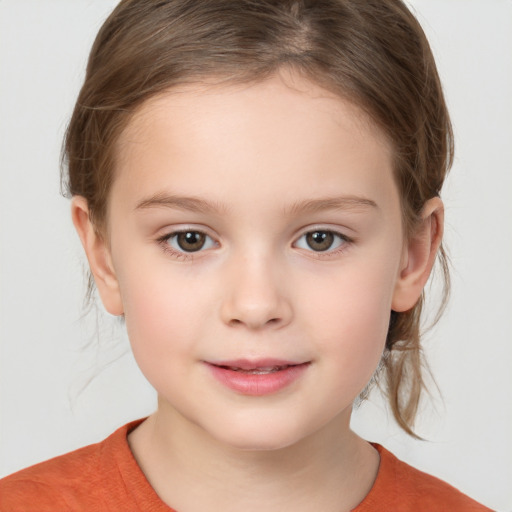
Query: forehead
<point>284,129</point>
<point>207,99</point>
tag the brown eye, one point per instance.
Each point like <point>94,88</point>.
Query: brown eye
<point>181,243</point>
<point>190,241</point>
<point>320,240</point>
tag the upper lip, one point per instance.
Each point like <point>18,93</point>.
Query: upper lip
<point>254,364</point>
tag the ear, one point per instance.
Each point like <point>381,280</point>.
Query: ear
<point>98,255</point>
<point>419,256</point>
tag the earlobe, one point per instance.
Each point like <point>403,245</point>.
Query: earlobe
<point>419,256</point>
<point>98,255</point>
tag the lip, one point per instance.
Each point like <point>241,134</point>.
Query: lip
<point>257,377</point>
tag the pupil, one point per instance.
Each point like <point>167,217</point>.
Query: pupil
<point>320,240</point>
<point>190,241</point>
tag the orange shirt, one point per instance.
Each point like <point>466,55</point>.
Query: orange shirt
<point>105,477</point>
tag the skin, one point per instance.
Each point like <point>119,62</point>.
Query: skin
<point>257,154</point>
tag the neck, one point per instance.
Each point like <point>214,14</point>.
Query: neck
<point>330,470</point>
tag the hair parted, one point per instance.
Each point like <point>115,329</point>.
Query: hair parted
<point>371,52</point>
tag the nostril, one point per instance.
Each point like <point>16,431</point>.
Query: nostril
<point>255,324</point>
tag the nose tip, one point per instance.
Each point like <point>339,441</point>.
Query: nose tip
<point>256,300</point>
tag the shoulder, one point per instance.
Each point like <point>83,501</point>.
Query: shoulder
<point>75,481</point>
<point>54,484</point>
<point>402,488</point>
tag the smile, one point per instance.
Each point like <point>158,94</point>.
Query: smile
<point>257,378</point>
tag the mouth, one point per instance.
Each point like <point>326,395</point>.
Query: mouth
<point>257,378</point>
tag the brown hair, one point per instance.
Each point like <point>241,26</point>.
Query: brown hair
<point>372,52</point>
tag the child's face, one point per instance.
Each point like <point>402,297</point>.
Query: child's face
<point>248,172</point>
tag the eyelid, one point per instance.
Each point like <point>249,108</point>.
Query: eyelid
<point>174,229</point>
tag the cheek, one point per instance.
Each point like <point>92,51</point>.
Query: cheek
<point>162,313</point>
<point>350,313</point>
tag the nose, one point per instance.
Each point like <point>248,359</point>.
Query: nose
<point>255,297</point>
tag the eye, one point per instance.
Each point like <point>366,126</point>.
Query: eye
<point>321,240</point>
<point>188,241</point>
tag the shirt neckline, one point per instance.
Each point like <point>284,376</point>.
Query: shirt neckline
<point>142,493</point>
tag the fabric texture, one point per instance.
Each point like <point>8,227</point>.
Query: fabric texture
<point>105,477</point>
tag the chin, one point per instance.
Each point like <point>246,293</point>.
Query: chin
<point>261,444</point>
<point>261,437</point>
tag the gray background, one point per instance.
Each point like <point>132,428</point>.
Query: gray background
<point>49,353</point>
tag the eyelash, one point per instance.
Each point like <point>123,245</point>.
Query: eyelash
<point>183,255</point>
<point>344,241</point>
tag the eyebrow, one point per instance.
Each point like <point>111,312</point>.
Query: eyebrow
<point>197,205</point>
<point>350,203</point>
<point>192,204</point>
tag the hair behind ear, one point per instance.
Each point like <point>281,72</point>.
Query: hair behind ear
<point>403,360</point>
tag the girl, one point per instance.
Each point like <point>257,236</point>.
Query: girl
<point>256,187</point>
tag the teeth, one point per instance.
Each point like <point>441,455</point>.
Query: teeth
<point>259,371</point>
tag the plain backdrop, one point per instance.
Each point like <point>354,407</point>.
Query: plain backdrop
<point>68,379</point>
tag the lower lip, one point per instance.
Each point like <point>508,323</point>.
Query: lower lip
<point>258,384</point>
